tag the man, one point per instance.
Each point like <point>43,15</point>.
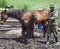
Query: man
<point>52,24</point>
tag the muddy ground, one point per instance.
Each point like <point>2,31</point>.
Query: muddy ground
<point>8,41</point>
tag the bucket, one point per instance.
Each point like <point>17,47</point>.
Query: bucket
<point>39,25</point>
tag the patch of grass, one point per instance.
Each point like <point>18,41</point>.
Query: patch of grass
<point>32,4</point>
<point>2,3</point>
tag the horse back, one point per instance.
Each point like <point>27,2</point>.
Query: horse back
<point>39,14</point>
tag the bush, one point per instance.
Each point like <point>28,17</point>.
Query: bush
<point>25,6</point>
<point>2,3</point>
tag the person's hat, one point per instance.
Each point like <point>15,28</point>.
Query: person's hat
<point>51,5</point>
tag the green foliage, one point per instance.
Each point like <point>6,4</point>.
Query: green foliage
<point>32,4</point>
<point>25,6</point>
<point>2,3</point>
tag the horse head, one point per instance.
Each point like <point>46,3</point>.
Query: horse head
<point>4,17</point>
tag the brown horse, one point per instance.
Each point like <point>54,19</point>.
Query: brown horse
<point>24,15</point>
<point>41,15</point>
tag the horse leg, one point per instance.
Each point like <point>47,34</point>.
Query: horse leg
<point>31,32</point>
<point>23,32</point>
<point>44,31</point>
<point>23,28</point>
<point>24,38</point>
<point>44,28</point>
